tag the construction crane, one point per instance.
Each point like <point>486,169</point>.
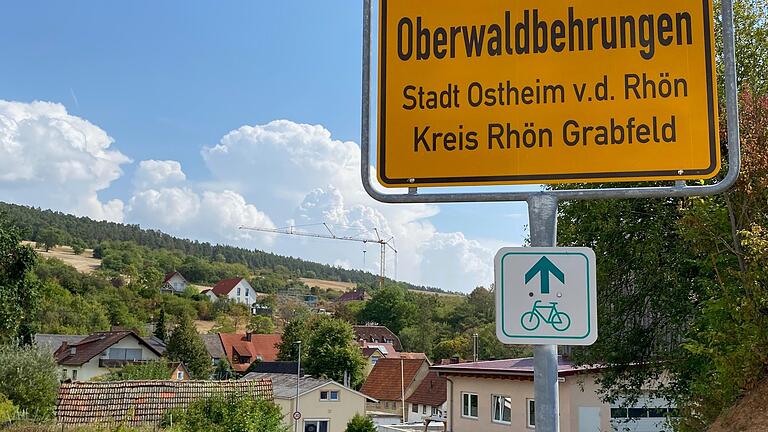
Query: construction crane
<point>383,243</point>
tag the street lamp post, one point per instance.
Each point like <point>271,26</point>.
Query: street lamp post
<point>298,380</point>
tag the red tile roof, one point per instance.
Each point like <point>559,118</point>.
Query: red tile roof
<point>384,383</point>
<point>94,345</point>
<point>223,287</point>
<point>431,391</point>
<point>260,345</point>
<point>143,402</point>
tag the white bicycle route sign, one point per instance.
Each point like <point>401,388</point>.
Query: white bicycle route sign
<point>546,296</point>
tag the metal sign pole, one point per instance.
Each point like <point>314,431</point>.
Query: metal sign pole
<point>542,213</point>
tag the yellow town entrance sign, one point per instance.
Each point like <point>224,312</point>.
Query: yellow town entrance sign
<point>502,92</point>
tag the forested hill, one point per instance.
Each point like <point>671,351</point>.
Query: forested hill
<point>32,220</point>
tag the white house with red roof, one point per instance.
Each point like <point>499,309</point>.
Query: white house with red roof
<point>174,282</point>
<point>235,289</point>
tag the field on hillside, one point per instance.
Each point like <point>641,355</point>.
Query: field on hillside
<point>332,285</point>
<point>84,263</point>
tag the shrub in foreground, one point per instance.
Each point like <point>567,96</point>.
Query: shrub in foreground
<point>235,413</point>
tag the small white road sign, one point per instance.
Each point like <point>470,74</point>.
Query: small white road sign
<point>546,296</point>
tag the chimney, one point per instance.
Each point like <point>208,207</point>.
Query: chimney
<point>248,336</point>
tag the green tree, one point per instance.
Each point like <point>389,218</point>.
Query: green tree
<point>389,307</point>
<point>260,324</point>
<point>18,294</point>
<point>239,314</point>
<point>224,324</point>
<point>224,370</point>
<point>185,345</point>
<point>296,330</point>
<point>331,351</point>
<point>78,247</point>
<point>226,414</point>
<point>360,423</point>
<point>29,378</point>
<point>161,329</point>
<point>153,370</point>
<point>51,237</point>
<point>349,311</point>
<point>682,288</point>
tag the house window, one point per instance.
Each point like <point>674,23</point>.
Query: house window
<point>415,408</point>
<point>374,360</point>
<point>502,409</point>
<point>424,409</point>
<point>531,413</point>
<point>332,395</point>
<point>238,291</point>
<point>247,292</point>
<point>125,354</point>
<point>316,425</point>
<point>180,375</point>
<point>63,374</point>
<point>74,375</point>
<point>469,405</point>
<point>435,411</point>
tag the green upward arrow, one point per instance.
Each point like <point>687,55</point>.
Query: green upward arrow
<point>545,267</point>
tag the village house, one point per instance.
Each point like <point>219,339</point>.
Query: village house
<point>325,405</point>
<point>356,295</point>
<point>428,400</point>
<point>391,382</point>
<point>372,352</point>
<point>174,282</point>
<point>96,354</point>
<point>214,347</point>
<point>376,334</point>
<point>243,349</point>
<point>498,396</point>
<point>236,289</point>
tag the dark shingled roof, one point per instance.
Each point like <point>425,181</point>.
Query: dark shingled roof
<point>94,345</point>
<point>213,345</point>
<point>143,402</point>
<point>431,391</point>
<point>52,342</point>
<point>356,295</point>
<point>377,333</point>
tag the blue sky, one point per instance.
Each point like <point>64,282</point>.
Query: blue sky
<point>166,80</point>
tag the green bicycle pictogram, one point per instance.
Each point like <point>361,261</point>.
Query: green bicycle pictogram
<point>531,320</point>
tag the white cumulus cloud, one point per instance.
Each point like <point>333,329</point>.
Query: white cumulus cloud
<point>213,216</point>
<point>153,173</point>
<point>299,173</point>
<point>50,158</point>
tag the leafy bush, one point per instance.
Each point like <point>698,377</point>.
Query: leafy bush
<point>8,411</point>
<point>29,378</point>
<point>360,424</point>
<point>236,413</point>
